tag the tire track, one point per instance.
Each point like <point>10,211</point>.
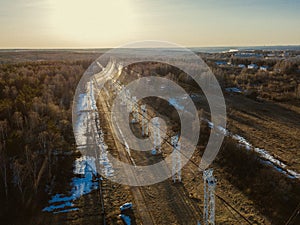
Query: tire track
<point>139,197</point>
<point>185,211</point>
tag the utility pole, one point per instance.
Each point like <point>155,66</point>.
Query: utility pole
<point>176,159</point>
<point>156,135</point>
<point>123,96</point>
<point>145,130</point>
<point>128,101</point>
<point>135,110</point>
<point>209,197</point>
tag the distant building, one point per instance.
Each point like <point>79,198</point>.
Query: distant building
<point>264,68</point>
<point>233,50</point>
<point>252,66</point>
<point>221,63</point>
<point>248,55</point>
<point>284,54</point>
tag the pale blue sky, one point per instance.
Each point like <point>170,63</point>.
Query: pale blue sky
<point>99,23</point>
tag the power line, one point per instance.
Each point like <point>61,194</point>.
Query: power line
<point>294,214</point>
<point>181,152</point>
<point>226,203</point>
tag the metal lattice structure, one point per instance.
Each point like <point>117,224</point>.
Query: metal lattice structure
<point>124,96</point>
<point>135,110</point>
<point>156,135</point>
<point>209,197</point>
<point>144,120</point>
<point>176,159</point>
<point>129,102</point>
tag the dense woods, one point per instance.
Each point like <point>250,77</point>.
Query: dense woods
<point>35,125</point>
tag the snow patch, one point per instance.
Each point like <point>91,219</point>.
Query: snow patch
<point>84,166</point>
<point>268,158</point>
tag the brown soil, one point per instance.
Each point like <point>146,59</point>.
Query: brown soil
<point>272,126</point>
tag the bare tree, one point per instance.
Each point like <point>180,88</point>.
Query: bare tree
<point>18,120</point>
<point>3,129</point>
<point>3,168</point>
<point>298,91</point>
<point>19,177</point>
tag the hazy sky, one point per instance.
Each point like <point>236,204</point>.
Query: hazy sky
<point>100,23</point>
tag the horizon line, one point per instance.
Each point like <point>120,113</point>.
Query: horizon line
<point>188,47</point>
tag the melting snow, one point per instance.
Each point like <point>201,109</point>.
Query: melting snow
<point>126,219</point>
<point>174,102</point>
<point>84,166</point>
<point>178,102</point>
<point>277,164</point>
<point>268,158</point>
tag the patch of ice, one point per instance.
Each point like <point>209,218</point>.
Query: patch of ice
<point>126,219</point>
<point>242,141</point>
<point>66,210</point>
<point>54,207</point>
<point>174,102</point>
<point>269,157</point>
<point>294,174</point>
<point>92,96</point>
<point>59,198</point>
<point>82,102</point>
<point>223,130</point>
<point>87,106</point>
<point>210,124</point>
<point>84,166</point>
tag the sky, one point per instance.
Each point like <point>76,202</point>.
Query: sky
<point>110,23</point>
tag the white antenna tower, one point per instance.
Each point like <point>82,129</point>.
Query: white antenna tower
<point>123,96</point>
<point>135,110</point>
<point>145,131</point>
<point>128,95</point>
<point>128,100</point>
<point>209,197</point>
<point>156,135</point>
<point>176,159</point>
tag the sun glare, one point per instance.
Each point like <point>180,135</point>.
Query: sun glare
<point>93,20</point>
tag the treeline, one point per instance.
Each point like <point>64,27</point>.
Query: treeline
<point>280,82</point>
<point>35,125</point>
